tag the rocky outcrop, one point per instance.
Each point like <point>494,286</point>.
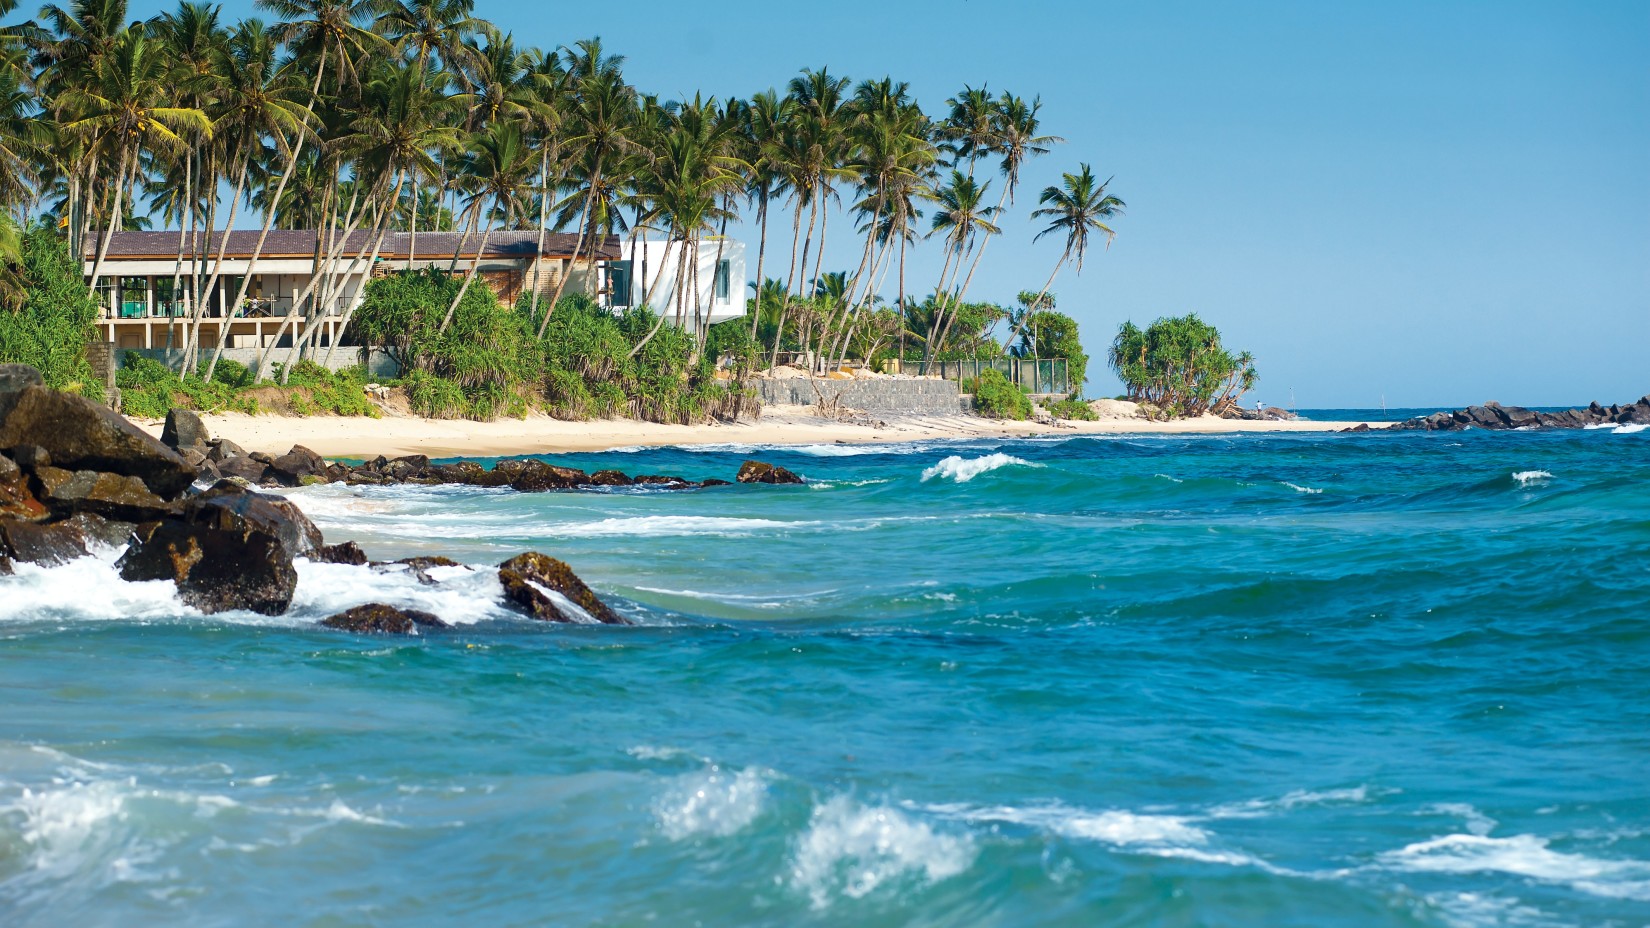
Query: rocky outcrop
<point>377,618</point>
<point>1268,414</point>
<point>1495,417</point>
<point>298,467</point>
<point>79,434</point>
<point>759,472</point>
<point>46,545</point>
<point>345,552</point>
<point>184,431</point>
<point>535,582</point>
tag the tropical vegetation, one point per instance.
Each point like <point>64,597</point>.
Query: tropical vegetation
<point>372,116</point>
<point>1178,366</point>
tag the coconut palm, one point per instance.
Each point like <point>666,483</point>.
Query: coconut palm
<point>963,217</point>
<point>1077,207</point>
<point>495,170</point>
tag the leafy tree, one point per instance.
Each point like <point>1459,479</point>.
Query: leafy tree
<point>49,328</point>
<point>1054,335</point>
<point>1179,365</point>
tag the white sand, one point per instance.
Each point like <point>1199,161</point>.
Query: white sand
<point>334,436</point>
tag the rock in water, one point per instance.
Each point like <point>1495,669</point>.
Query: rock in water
<point>381,619</point>
<point>761,472</point>
<point>228,548</point>
<point>112,495</point>
<point>16,502</point>
<point>185,430</point>
<point>530,580</point>
<point>79,434</point>
<point>46,545</point>
<point>537,476</point>
<point>347,552</point>
<point>291,468</point>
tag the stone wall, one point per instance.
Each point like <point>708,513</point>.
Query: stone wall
<point>379,364</point>
<point>884,397</point>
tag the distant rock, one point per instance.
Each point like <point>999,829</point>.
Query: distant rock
<point>533,582</point>
<point>420,566</point>
<point>762,472</point>
<point>298,466</point>
<point>377,618</point>
<point>1493,416</point>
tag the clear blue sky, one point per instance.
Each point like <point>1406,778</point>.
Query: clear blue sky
<point>1438,203</point>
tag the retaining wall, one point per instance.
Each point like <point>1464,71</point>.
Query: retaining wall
<point>889,397</point>
<point>379,364</point>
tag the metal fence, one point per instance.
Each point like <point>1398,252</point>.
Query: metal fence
<point>1036,375</point>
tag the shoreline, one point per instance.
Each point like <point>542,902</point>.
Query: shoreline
<point>393,435</point>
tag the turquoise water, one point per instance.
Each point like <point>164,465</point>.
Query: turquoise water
<point>1253,680</point>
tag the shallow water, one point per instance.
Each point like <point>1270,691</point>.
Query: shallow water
<point>1259,679</point>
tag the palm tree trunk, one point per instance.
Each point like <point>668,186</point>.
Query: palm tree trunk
<point>366,278</point>
<point>217,270</point>
<point>109,231</point>
<point>1037,303</point>
<point>578,246</point>
<point>761,255</point>
<point>475,268</point>
<point>659,322</point>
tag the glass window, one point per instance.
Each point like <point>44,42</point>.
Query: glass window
<point>724,273</point>
<point>106,289</point>
<point>134,297</point>
<point>618,282</point>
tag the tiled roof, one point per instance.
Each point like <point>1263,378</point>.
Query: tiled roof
<point>300,243</point>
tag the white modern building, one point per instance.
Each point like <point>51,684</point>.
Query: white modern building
<point>643,273</point>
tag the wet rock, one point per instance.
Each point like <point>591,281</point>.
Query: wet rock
<point>245,468</point>
<point>98,530</point>
<point>291,468</point>
<point>184,429</point>
<point>16,499</point>
<point>713,482</point>
<point>31,458</point>
<point>46,544</point>
<point>543,587</point>
<point>79,434</point>
<point>419,567</point>
<point>377,618</point>
<point>14,379</point>
<point>610,478</point>
<point>661,481</point>
<point>228,548</point>
<point>761,472</point>
<point>222,449</point>
<point>345,552</point>
<point>1360,427</point>
<point>537,477</point>
<point>6,569</point>
<point>111,495</point>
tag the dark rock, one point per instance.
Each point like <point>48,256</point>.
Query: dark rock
<point>610,478</point>
<point>95,528</point>
<point>5,566</point>
<point>31,458</point>
<point>530,579</point>
<point>82,435</point>
<point>245,468</point>
<point>377,618</point>
<point>337,473</point>
<point>537,476</point>
<point>228,548</point>
<point>502,475</point>
<point>292,468</point>
<point>1278,413</point>
<point>112,495</point>
<point>47,545</point>
<point>193,457</point>
<point>660,480</point>
<point>713,482</point>
<point>208,473</point>
<point>184,429</point>
<point>16,500</point>
<point>420,566</point>
<point>14,379</point>
<point>760,472</point>
<point>1360,427</point>
<point>222,449</point>
<point>345,552</point>
<point>461,472</point>
<point>415,461</point>
<point>262,457</point>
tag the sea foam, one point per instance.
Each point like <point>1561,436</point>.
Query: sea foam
<point>1526,856</point>
<point>962,470</point>
<point>1526,478</point>
<point>850,850</point>
<point>711,802</point>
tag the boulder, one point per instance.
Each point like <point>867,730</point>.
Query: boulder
<point>228,548</point>
<point>377,618</point>
<point>713,482</point>
<point>761,472</point>
<point>610,478</point>
<point>346,552</point>
<point>79,434</point>
<point>112,495</point>
<point>30,458</point>
<point>537,477</point>
<point>1360,427</point>
<point>5,566</point>
<point>420,566</point>
<point>222,449</point>
<point>460,472</point>
<point>16,500</point>
<point>661,481</point>
<point>252,471</point>
<point>291,468</point>
<point>14,379</point>
<point>543,587</point>
<point>94,528</point>
<point>47,545</point>
<point>184,429</point>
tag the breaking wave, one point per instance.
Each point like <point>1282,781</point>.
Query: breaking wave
<point>962,470</point>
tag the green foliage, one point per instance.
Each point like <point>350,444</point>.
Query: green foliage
<point>149,389</point>
<point>50,329</point>
<point>232,374</point>
<point>1071,408</point>
<point>1050,334</point>
<point>1178,365</point>
<point>996,398</point>
<point>313,390</point>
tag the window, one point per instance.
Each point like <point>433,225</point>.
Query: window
<point>167,298</point>
<point>724,274</point>
<point>106,289</point>
<point>134,297</point>
<point>618,282</point>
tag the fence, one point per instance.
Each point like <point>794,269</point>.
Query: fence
<point>1037,375</point>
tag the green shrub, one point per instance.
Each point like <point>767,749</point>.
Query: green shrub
<point>996,398</point>
<point>313,390</point>
<point>1070,408</point>
<point>232,374</point>
<point>1179,365</point>
<point>50,329</point>
<point>150,389</point>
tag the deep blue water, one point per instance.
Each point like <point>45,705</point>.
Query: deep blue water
<point>1314,680</point>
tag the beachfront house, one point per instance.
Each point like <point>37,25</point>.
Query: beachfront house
<point>146,291</point>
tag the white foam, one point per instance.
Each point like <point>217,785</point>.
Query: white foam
<point>1526,856</point>
<point>656,526</point>
<point>1525,478</point>
<point>962,470</point>
<point>850,850</point>
<point>713,802</point>
<point>1477,822</point>
<point>1257,808</point>
<point>1112,826</point>
<point>1629,428</point>
<point>1300,489</point>
<point>86,588</point>
<point>462,597</point>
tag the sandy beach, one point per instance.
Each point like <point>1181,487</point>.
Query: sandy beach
<point>334,436</point>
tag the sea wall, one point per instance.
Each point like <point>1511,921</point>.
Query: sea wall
<point>379,364</point>
<point>911,397</point>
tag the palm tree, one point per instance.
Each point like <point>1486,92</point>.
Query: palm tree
<point>765,117</point>
<point>1077,207</point>
<point>963,217</point>
<point>496,169</point>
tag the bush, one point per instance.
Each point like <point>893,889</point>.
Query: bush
<point>996,398</point>
<point>50,329</point>
<point>1178,365</point>
<point>313,390</point>
<point>150,389</point>
<point>1071,408</point>
<point>232,374</point>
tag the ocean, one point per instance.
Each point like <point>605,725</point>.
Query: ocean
<point>1248,680</point>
